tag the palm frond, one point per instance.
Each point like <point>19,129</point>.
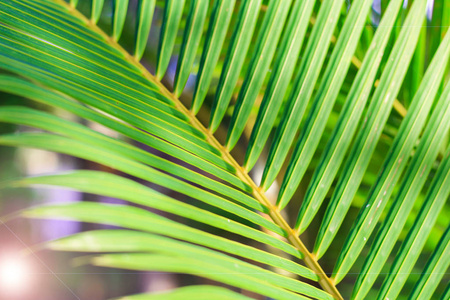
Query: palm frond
<point>56,56</point>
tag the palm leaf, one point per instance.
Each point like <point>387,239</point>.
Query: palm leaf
<point>54,55</point>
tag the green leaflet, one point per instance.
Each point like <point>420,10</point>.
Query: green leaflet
<point>106,241</point>
<point>234,60</point>
<point>57,25</point>
<point>74,3</point>
<point>96,182</point>
<point>111,159</point>
<point>309,70</point>
<point>220,19</point>
<point>446,294</point>
<point>323,103</point>
<point>173,11</point>
<point>47,122</point>
<point>191,40</point>
<point>120,13</point>
<point>265,48</point>
<point>144,22</point>
<point>411,247</point>
<point>370,132</point>
<point>418,65</point>
<point>278,83</point>
<point>437,265</point>
<point>97,6</point>
<point>413,181</point>
<point>401,148</point>
<point>381,104</point>
<point>342,135</point>
<point>194,292</point>
<point>167,263</point>
<point>133,218</point>
<point>78,90</point>
<point>28,90</point>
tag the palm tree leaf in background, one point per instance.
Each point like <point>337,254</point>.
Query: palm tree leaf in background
<point>68,62</point>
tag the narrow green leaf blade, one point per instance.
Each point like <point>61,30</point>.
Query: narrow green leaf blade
<point>106,241</point>
<point>266,45</point>
<point>309,70</point>
<point>240,42</point>
<point>120,13</point>
<point>144,22</point>
<point>97,6</point>
<point>418,64</point>
<point>322,106</point>
<point>173,11</point>
<point>74,3</point>
<point>410,250</point>
<point>446,294</point>
<point>176,264</point>
<point>437,266</point>
<point>279,80</point>
<point>396,162</point>
<point>191,39</point>
<point>219,21</point>
<point>414,179</point>
<point>346,126</point>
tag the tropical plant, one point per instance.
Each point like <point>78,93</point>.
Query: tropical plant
<point>348,113</point>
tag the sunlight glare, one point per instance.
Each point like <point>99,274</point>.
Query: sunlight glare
<point>14,276</point>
